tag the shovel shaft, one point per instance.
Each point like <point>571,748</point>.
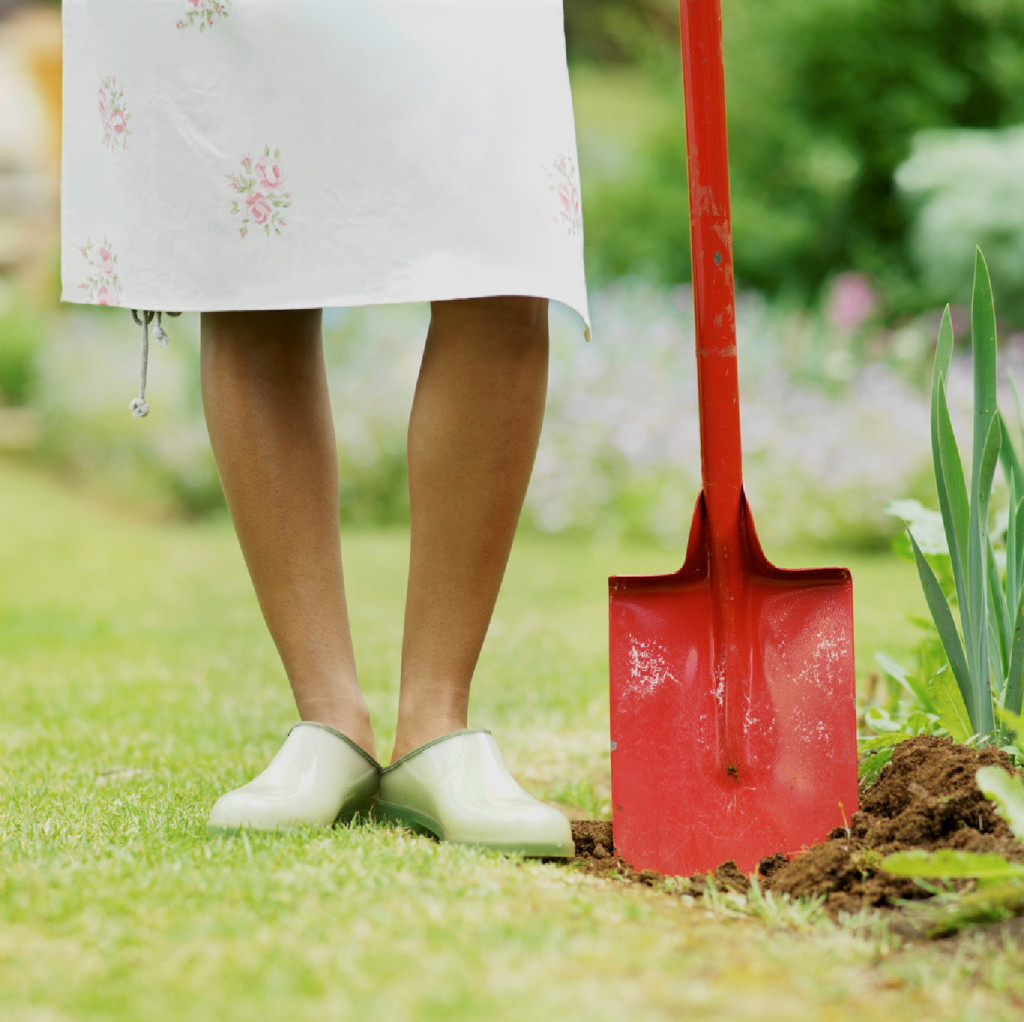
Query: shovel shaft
<point>711,247</point>
<point>707,155</point>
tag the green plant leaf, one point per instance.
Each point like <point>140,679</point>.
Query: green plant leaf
<point>951,863</point>
<point>950,706</point>
<point>987,469</point>
<point>951,488</point>
<point>1018,529</point>
<point>1013,469</point>
<point>1007,792</point>
<point>882,741</point>
<point>1014,723</point>
<point>983,349</point>
<point>942,616</point>
<point>1000,622</point>
<point>1017,463</point>
<point>975,623</point>
<point>913,686</point>
<point>982,659</point>
<point>943,350</point>
<point>1010,579</point>
<point>875,752</point>
<point>946,458</point>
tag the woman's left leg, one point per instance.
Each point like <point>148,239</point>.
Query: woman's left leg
<point>473,436</point>
<point>472,441</point>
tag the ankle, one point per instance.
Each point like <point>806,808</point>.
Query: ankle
<point>350,716</point>
<point>413,734</point>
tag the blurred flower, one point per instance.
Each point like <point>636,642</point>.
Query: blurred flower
<point>851,301</point>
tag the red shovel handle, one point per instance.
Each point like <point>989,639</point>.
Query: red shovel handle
<point>707,158</point>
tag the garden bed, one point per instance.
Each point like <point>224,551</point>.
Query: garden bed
<point>925,798</point>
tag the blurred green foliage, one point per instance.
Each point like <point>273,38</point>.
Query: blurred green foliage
<point>619,31</point>
<point>20,334</point>
<point>824,101</point>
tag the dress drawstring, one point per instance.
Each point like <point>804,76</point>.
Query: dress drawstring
<point>139,408</point>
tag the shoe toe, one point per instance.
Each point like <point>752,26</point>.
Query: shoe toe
<point>459,789</point>
<point>265,808</point>
<point>317,777</point>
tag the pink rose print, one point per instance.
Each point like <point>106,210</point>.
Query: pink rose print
<point>262,186</point>
<point>105,263</point>
<point>113,114</point>
<point>258,208</point>
<point>203,13</point>
<point>269,172</point>
<point>101,285</point>
<point>566,185</point>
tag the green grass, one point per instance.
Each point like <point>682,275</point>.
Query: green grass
<point>138,685</point>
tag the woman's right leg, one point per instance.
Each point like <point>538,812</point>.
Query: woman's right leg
<point>269,419</point>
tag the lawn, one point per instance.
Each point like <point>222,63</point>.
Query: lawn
<point>138,685</point>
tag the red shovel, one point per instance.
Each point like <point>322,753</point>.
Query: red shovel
<point>732,686</point>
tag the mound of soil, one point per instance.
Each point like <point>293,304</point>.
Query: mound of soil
<point>926,797</point>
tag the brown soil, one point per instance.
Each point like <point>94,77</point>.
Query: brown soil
<point>925,798</point>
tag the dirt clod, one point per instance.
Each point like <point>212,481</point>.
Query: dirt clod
<point>926,797</point>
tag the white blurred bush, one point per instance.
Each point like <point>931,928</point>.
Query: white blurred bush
<point>966,188</point>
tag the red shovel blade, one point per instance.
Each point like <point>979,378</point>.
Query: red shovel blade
<point>733,753</point>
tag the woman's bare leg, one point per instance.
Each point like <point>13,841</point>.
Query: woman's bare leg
<point>269,419</point>
<point>473,437</point>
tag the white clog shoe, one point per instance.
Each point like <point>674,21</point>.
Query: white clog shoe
<point>458,789</point>
<point>318,776</point>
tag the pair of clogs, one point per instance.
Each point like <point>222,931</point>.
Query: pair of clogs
<point>456,788</point>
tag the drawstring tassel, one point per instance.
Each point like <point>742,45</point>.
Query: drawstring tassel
<point>139,408</point>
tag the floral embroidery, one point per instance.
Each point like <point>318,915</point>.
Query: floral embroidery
<point>566,185</point>
<point>202,12</point>
<point>102,286</point>
<point>261,182</point>
<point>113,114</point>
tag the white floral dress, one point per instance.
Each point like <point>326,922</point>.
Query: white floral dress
<point>260,154</point>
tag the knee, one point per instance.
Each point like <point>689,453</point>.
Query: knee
<point>524,312</point>
<point>258,340</point>
<point>519,319</point>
